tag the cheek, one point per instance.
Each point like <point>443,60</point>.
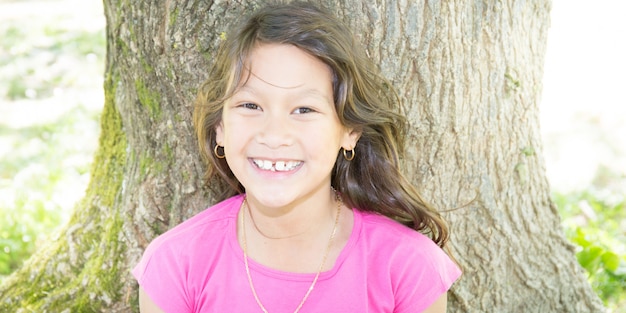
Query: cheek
<point>325,146</point>
<point>235,131</point>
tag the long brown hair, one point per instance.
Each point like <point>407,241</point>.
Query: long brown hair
<point>364,101</point>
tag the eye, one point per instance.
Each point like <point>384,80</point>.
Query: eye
<point>250,106</point>
<point>303,110</point>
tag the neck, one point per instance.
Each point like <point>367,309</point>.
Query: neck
<point>297,220</point>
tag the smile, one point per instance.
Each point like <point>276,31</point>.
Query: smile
<point>278,166</point>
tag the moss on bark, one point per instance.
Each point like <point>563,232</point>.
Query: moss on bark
<point>150,100</point>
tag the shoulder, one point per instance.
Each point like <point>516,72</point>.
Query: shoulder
<point>381,228</point>
<point>408,253</point>
<point>173,267</point>
<point>398,240</point>
<point>210,223</point>
<point>419,271</point>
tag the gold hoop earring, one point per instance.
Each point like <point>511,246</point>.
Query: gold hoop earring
<point>217,154</point>
<point>352,154</point>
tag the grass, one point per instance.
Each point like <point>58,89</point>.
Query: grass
<point>51,72</point>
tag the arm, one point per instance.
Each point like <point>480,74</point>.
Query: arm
<point>439,306</point>
<point>146,305</point>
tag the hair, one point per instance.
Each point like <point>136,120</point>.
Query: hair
<point>364,101</point>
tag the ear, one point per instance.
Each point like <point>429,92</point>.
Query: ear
<point>350,138</point>
<point>219,134</point>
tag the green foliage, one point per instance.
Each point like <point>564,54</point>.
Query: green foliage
<point>87,263</point>
<point>50,101</point>
<point>43,175</point>
<point>595,223</point>
<point>22,231</point>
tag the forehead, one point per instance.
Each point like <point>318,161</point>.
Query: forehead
<point>284,66</point>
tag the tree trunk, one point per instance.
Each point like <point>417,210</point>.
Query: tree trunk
<point>470,73</point>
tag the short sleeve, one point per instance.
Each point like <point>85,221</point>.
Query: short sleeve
<point>425,275</point>
<point>161,273</point>
<point>176,265</point>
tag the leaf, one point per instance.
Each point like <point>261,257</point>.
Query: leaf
<point>610,260</point>
<point>581,238</point>
<point>589,258</point>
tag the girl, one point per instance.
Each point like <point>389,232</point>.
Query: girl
<point>302,138</point>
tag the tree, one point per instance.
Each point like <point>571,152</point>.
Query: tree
<point>470,73</point>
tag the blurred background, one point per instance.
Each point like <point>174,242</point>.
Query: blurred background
<point>583,125</point>
<point>52,61</point>
<point>51,74</point>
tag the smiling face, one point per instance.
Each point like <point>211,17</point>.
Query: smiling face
<point>280,131</point>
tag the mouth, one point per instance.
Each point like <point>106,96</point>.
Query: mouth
<point>276,166</point>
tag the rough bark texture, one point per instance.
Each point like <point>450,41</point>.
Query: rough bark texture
<point>470,72</point>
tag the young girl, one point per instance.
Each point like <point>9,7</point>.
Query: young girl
<point>302,138</point>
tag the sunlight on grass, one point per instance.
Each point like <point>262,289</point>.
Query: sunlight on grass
<point>51,70</point>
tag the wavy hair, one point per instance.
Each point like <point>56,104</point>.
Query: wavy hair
<point>364,100</point>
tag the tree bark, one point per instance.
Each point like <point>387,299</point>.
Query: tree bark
<point>470,75</point>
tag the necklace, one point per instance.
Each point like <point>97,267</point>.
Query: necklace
<point>319,271</point>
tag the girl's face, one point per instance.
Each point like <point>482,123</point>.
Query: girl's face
<point>280,132</point>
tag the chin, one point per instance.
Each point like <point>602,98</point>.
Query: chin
<point>272,199</point>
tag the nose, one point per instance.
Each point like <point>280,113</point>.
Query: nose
<point>275,131</point>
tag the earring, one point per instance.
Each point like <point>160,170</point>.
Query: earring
<point>217,154</point>
<point>352,154</point>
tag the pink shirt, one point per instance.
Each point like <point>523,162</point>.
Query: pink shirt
<point>385,267</point>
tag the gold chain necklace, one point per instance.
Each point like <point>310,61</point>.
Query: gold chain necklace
<point>245,254</point>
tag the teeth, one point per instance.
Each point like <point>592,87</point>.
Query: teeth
<point>280,166</point>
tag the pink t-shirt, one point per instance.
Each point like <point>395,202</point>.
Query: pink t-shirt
<point>385,267</point>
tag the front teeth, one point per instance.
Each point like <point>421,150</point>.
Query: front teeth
<point>280,166</point>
